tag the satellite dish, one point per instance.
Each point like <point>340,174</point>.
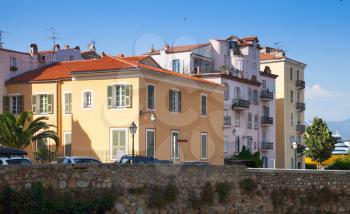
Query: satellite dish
<point>91,46</point>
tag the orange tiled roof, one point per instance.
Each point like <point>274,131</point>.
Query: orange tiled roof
<point>182,48</point>
<point>63,70</point>
<point>134,58</point>
<point>250,38</point>
<point>266,56</point>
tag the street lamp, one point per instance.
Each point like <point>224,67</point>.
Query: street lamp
<point>295,147</point>
<point>133,129</point>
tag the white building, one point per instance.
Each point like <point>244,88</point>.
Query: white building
<point>235,63</point>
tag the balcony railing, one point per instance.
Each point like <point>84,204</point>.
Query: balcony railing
<point>300,106</point>
<point>300,84</point>
<point>240,104</point>
<point>266,145</point>
<point>266,95</point>
<point>227,120</point>
<point>300,128</point>
<point>266,120</point>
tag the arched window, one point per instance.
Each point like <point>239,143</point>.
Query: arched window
<point>87,99</point>
<point>226,92</point>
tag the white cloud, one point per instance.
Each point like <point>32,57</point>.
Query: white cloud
<point>316,91</point>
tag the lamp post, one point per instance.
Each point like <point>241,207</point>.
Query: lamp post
<point>133,129</point>
<point>295,147</point>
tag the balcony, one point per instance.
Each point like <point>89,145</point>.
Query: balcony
<point>266,95</point>
<point>266,120</point>
<point>300,106</point>
<point>266,146</point>
<point>240,104</point>
<point>300,84</point>
<point>300,129</point>
<point>227,120</point>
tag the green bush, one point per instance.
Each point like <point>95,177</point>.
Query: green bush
<point>340,164</point>
<point>245,154</point>
<point>208,194</point>
<point>162,196</point>
<point>310,166</point>
<point>248,185</point>
<point>41,200</point>
<point>223,190</point>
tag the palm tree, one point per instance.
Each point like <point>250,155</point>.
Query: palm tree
<point>19,132</point>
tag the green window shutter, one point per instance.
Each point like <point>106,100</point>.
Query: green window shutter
<point>6,103</point>
<point>49,103</point>
<point>34,105</point>
<point>179,101</point>
<point>109,96</point>
<point>170,100</point>
<point>20,104</point>
<point>67,103</point>
<point>128,96</point>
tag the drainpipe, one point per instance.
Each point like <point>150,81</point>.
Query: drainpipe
<point>58,111</point>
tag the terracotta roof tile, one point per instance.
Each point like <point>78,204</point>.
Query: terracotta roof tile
<point>182,48</point>
<point>266,56</point>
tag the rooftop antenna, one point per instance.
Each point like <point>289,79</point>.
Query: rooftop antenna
<point>53,36</point>
<point>1,33</point>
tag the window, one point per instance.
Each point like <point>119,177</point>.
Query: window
<point>256,97</point>
<point>264,136</point>
<point>176,65</point>
<point>291,119</point>
<point>256,122</point>
<point>263,83</point>
<point>237,144</point>
<point>254,69</point>
<point>87,99</point>
<point>202,66</point>
<point>298,75</point>
<point>118,140</point>
<point>71,58</point>
<point>67,149</point>
<point>226,92</point>
<point>298,96</point>
<point>174,145</point>
<point>237,93</point>
<point>291,140</point>
<point>150,142</point>
<point>204,145</point>
<point>13,104</point>
<point>13,63</point>
<point>204,104</point>
<point>291,73</point>
<point>67,103</point>
<point>240,65</point>
<point>237,118</point>
<point>225,144</point>
<point>174,101</point>
<point>42,104</point>
<point>119,96</point>
<point>227,118</point>
<point>291,96</point>
<point>150,97</point>
<point>266,111</point>
<point>250,95</point>
<point>249,120</point>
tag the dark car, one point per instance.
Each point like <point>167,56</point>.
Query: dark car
<point>194,163</point>
<point>9,156</point>
<point>127,159</point>
<point>247,163</point>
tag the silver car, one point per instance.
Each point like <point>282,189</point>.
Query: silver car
<point>77,160</point>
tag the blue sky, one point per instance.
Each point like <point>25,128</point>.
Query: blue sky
<point>314,32</point>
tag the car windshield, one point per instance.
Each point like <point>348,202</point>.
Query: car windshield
<point>19,162</point>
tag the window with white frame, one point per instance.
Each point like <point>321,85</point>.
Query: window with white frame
<point>237,118</point>
<point>13,63</point>
<point>204,145</point>
<point>174,101</point>
<point>204,105</point>
<point>256,122</point>
<point>13,104</point>
<point>67,103</point>
<point>67,149</point>
<point>225,144</point>
<point>119,96</point>
<point>42,104</point>
<point>87,99</point>
<point>119,143</point>
<point>176,65</point>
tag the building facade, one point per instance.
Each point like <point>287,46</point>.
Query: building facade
<point>233,62</point>
<point>290,105</point>
<point>93,102</point>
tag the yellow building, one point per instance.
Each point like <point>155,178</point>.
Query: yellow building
<point>93,102</point>
<point>290,106</point>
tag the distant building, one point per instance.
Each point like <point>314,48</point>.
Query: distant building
<point>290,105</point>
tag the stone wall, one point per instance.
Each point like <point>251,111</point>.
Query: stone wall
<point>252,190</point>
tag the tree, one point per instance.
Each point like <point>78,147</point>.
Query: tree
<point>319,141</point>
<point>245,154</point>
<point>19,132</point>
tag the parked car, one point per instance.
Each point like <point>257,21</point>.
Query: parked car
<point>194,163</point>
<point>127,159</point>
<point>77,160</point>
<point>247,163</point>
<point>9,156</point>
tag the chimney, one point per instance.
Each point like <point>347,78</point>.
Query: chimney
<point>56,47</point>
<point>267,69</point>
<point>33,49</point>
<point>77,48</point>
<point>120,55</point>
<point>66,47</point>
<point>166,47</point>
